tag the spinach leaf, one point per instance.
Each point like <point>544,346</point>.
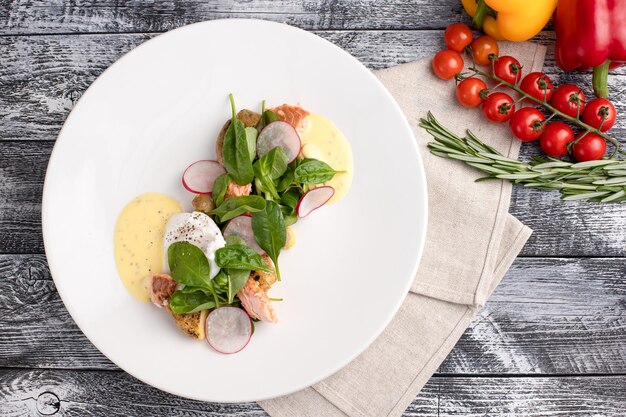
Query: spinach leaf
<point>240,257</point>
<point>188,289</point>
<point>236,154</point>
<point>182,302</point>
<point>237,206</point>
<point>312,171</point>
<point>291,218</point>
<point>269,167</point>
<point>251,135</point>
<point>269,117</point>
<point>290,198</point>
<point>236,280</point>
<point>274,163</point>
<point>219,188</point>
<point>268,226</point>
<point>188,264</point>
<point>286,180</point>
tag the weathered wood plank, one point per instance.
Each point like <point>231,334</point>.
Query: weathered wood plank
<point>22,170</point>
<point>43,76</point>
<point>37,392</point>
<point>60,16</point>
<point>549,316</point>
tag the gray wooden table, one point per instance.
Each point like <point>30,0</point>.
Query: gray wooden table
<point>551,341</point>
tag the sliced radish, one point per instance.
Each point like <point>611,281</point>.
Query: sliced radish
<point>314,199</point>
<point>280,134</point>
<point>199,176</point>
<point>242,226</point>
<point>228,329</point>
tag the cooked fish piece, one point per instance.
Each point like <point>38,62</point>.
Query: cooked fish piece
<point>235,190</point>
<point>162,286</point>
<point>253,295</point>
<point>294,115</point>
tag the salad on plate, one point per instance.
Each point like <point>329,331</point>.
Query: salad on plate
<point>212,269</point>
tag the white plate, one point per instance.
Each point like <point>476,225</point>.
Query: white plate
<point>159,108</point>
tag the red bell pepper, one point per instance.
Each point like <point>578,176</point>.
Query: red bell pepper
<point>591,34</point>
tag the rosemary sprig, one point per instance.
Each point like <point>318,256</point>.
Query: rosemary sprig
<point>602,181</point>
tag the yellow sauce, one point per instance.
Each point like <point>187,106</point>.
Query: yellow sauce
<point>138,240</point>
<point>322,140</point>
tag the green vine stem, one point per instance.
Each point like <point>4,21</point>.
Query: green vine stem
<point>602,181</point>
<point>616,144</point>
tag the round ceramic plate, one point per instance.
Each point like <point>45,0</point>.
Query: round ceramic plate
<point>160,108</point>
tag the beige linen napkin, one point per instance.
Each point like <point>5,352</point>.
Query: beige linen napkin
<point>471,242</point>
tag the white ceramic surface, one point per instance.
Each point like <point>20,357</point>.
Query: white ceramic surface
<point>158,109</point>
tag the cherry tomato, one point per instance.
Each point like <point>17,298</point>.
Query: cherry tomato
<point>468,92</point>
<point>482,48</point>
<point>508,69</point>
<point>555,138</point>
<point>458,36</point>
<point>597,110</point>
<point>538,85</point>
<point>498,107</point>
<point>447,63</point>
<point>526,124</point>
<point>569,99</point>
<point>590,147</point>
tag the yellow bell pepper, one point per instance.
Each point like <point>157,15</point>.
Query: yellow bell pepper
<point>516,20</point>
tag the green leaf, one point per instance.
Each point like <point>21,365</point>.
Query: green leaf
<point>269,230</point>
<point>290,198</point>
<point>236,154</point>
<point>312,171</point>
<point>188,264</point>
<point>236,281</point>
<point>240,257</point>
<point>219,188</point>
<point>269,167</point>
<point>183,302</point>
<point>287,179</point>
<point>269,117</point>
<point>251,136</point>
<point>237,206</point>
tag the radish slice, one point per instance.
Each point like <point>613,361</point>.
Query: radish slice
<point>228,329</point>
<point>199,176</point>
<point>242,226</point>
<point>314,199</point>
<point>280,134</point>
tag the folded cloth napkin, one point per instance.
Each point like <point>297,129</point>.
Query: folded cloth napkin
<point>471,242</point>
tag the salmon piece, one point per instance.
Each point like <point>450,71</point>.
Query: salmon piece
<point>294,115</point>
<point>256,302</point>
<point>253,295</point>
<point>235,190</point>
<point>162,287</point>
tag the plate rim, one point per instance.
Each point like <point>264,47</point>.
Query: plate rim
<point>421,237</point>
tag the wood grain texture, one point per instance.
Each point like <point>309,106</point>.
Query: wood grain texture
<point>69,393</point>
<point>45,75</point>
<point>83,16</point>
<point>549,316</point>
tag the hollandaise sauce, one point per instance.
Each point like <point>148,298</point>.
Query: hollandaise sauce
<point>138,240</point>
<point>322,140</point>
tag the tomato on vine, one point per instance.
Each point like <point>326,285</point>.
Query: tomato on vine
<point>483,49</point>
<point>588,147</point>
<point>569,99</point>
<point>458,36</point>
<point>468,92</point>
<point>498,107</point>
<point>600,113</point>
<point>527,124</point>
<point>538,85</point>
<point>447,63</point>
<point>555,138</point>
<point>508,69</point>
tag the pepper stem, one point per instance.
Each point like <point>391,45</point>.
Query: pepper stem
<point>481,12</point>
<point>600,78</point>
